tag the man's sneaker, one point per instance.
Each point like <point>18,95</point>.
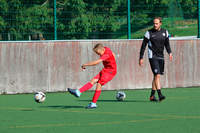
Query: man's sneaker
<point>161,98</point>
<point>91,105</point>
<point>153,99</point>
<point>74,92</point>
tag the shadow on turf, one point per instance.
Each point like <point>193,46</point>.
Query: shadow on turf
<point>63,107</point>
<point>27,109</point>
<point>125,101</point>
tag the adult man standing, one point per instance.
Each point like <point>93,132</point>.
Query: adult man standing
<point>156,38</point>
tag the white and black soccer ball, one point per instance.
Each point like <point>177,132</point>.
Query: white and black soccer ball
<point>39,97</point>
<point>120,96</point>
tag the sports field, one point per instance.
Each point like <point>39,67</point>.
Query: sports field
<point>63,113</point>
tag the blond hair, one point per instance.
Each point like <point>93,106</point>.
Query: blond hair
<point>98,46</point>
<point>159,18</point>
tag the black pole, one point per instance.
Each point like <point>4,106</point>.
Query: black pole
<point>198,7</point>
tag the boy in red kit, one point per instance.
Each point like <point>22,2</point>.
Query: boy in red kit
<point>104,76</point>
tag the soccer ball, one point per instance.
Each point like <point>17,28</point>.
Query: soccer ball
<point>120,96</point>
<point>39,97</point>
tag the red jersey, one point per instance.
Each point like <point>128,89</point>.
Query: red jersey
<point>109,62</point>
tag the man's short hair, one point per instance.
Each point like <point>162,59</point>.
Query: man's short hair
<point>98,46</point>
<point>159,18</point>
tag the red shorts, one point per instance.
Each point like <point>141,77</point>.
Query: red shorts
<point>104,77</point>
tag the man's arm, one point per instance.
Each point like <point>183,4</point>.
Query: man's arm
<point>143,47</point>
<point>92,63</point>
<point>167,46</point>
<point>144,44</point>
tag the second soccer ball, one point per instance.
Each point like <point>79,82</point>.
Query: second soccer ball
<point>120,96</point>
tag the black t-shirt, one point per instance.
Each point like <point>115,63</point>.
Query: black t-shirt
<point>156,41</point>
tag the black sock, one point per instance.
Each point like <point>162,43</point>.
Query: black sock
<point>159,93</point>
<point>152,93</point>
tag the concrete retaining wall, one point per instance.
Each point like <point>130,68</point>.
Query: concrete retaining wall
<point>27,67</point>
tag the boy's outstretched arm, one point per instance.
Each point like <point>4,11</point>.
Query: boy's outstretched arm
<point>92,63</point>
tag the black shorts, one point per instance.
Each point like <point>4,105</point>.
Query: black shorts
<point>157,65</point>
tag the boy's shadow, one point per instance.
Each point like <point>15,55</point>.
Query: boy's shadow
<point>78,107</point>
<point>125,101</point>
<point>63,107</point>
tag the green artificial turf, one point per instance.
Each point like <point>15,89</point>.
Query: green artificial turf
<point>63,113</point>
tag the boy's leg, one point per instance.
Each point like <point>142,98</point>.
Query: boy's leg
<point>88,85</point>
<point>97,93</point>
<point>95,97</point>
<point>103,79</point>
<point>77,92</point>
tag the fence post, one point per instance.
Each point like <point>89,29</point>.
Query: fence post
<point>129,20</point>
<point>198,7</point>
<point>55,25</point>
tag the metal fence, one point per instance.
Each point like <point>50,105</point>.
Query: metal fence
<point>85,19</point>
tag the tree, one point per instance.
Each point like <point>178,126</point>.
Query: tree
<point>72,20</point>
<point>189,8</point>
<point>106,17</point>
<point>85,19</point>
<point>13,22</point>
<point>3,12</point>
<point>38,20</point>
